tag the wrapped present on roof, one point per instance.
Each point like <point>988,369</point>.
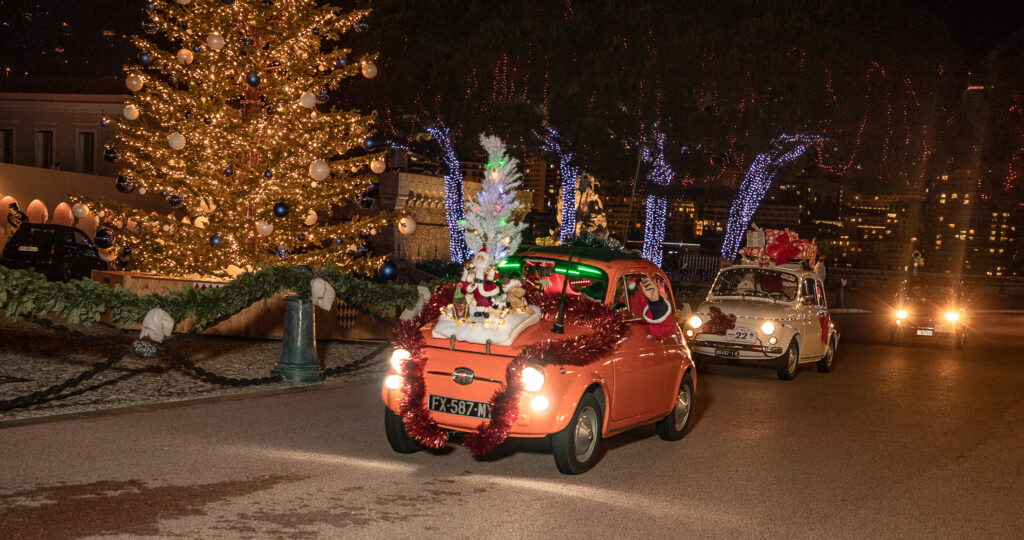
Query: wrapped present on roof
<point>777,246</point>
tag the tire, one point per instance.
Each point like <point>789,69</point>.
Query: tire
<point>65,272</point>
<point>958,341</point>
<point>785,365</point>
<point>826,362</point>
<point>575,447</point>
<point>673,426</point>
<point>399,439</point>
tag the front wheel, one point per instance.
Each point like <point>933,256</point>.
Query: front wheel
<point>673,426</point>
<point>399,439</point>
<point>825,364</point>
<point>575,447</point>
<point>785,365</point>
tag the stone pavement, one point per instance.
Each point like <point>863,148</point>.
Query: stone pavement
<point>33,358</point>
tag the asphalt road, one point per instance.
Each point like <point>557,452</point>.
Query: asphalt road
<point>904,442</point>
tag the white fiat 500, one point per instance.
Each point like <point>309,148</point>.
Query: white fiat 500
<point>776,314</point>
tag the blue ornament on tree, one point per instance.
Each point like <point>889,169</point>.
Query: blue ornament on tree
<point>207,120</point>
<point>229,171</point>
<point>188,114</point>
<point>369,143</point>
<point>266,3</point>
<point>338,241</point>
<point>197,48</point>
<point>215,239</point>
<point>248,41</point>
<point>105,121</point>
<point>252,79</point>
<point>322,96</point>
<point>145,58</point>
<point>271,110</point>
<point>281,209</point>
<point>362,27</point>
<point>388,271</point>
<point>104,238</point>
<point>126,251</point>
<point>150,5</point>
<point>150,27</point>
<point>268,174</point>
<point>301,237</point>
<point>175,201</point>
<point>342,62</point>
<point>281,252</point>
<point>316,31</point>
<point>111,155</point>
<point>228,2</point>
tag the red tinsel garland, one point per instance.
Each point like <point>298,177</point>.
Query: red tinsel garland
<point>576,351</point>
<point>719,322</point>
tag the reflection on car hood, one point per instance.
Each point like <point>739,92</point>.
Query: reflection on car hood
<point>750,308</point>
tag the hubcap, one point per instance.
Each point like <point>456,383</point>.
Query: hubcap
<point>585,436</point>
<point>792,360</point>
<point>682,410</point>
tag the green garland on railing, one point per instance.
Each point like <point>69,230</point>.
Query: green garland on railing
<point>27,293</point>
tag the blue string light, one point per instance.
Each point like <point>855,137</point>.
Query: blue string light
<point>552,141</point>
<point>756,183</point>
<point>660,175</point>
<point>454,207</point>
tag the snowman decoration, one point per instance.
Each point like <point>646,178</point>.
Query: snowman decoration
<point>484,287</point>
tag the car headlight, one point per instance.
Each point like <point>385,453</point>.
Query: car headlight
<point>393,381</point>
<point>533,379</point>
<point>768,328</point>
<point>901,314</point>
<point>952,316</point>
<point>695,322</point>
<point>398,357</point>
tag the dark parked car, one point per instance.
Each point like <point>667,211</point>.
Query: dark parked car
<point>57,251</point>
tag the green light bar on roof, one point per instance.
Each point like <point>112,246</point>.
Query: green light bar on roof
<point>577,270</point>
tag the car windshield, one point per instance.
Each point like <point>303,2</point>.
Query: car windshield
<point>928,293</point>
<point>549,275</point>
<point>759,282</point>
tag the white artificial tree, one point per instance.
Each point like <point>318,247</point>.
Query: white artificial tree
<point>489,217</point>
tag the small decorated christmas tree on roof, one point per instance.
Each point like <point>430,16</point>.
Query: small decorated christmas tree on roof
<point>489,218</point>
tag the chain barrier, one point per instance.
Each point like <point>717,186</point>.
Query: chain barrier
<point>44,395</point>
<point>207,376</point>
<point>358,364</point>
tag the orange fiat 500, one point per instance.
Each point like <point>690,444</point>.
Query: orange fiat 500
<point>645,374</point>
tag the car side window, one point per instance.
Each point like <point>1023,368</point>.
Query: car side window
<point>808,290</point>
<point>666,293</point>
<point>820,293</point>
<point>625,286</point>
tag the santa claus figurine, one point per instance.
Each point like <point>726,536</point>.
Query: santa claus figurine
<point>484,287</point>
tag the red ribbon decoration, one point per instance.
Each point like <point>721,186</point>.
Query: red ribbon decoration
<point>575,351</point>
<point>719,322</point>
<point>782,249</point>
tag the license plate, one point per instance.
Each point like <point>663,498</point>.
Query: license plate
<point>741,334</point>
<point>28,248</point>
<point>924,332</point>
<point>461,407</point>
<point>729,353</point>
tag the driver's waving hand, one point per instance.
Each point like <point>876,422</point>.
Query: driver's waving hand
<point>648,302</point>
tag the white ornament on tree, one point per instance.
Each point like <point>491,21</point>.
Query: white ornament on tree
<point>319,169</point>
<point>133,82</point>
<point>79,210</point>
<point>142,191</point>
<point>176,141</point>
<point>378,166</point>
<point>311,218</point>
<point>215,41</point>
<point>307,100</point>
<point>130,112</point>
<point>184,57</point>
<point>264,228</point>
<point>407,225</point>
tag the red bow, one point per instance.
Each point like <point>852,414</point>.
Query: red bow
<point>782,249</point>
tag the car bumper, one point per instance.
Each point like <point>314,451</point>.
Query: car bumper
<point>727,349</point>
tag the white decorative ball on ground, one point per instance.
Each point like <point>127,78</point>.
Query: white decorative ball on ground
<point>378,166</point>
<point>369,70</point>
<point>407,225</point>
<point>184,56</point>
<point>79,210</point>
<point>215,41</point>
<point>176,141</point>
<point>130,112</point>
<point>264,228</point>
<point>134,83</point>
<point>307,100</point>
<point>319,169</point>
<point>311,218</point>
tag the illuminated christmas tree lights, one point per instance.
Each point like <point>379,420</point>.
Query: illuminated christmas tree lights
<point>454,212</point>
<point>568,170</point>
<point>226,125</point>
<point>659,177</point>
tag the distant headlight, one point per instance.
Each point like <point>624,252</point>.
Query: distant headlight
<point>768,328</point>
<point>397,357</point>
<point>695,322</point>
<point>952,316</point>
<point>533,379</point>
<point>901,314</point>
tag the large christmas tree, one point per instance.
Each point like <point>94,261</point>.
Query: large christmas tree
<point>227,121</point>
